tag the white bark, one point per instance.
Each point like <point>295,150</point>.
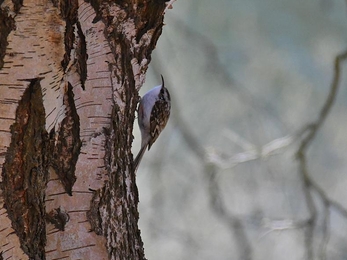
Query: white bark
<point>83,154</point>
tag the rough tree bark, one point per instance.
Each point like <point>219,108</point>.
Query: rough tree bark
<point>70,71</point>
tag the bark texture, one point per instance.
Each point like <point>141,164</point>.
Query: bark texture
<point>70,71</point>
<point>25,173</point>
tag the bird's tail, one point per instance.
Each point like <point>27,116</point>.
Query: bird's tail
<point>139,157</point>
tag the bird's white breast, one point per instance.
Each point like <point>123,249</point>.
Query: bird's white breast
<point>147,103</point>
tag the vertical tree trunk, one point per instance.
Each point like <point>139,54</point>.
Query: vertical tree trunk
<point>69,78</point>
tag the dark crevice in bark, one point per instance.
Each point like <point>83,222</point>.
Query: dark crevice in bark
<point>69,40</point>
<point>68,10</point>
<point>93,215</point>
<point>147,52</point>
<point>67,144</point>
<point>17,5</point>
<point>7,24</point>
<point>153,11</point>
<point>96,5</point>
<point>58,217</point>
<point>82,56</point>
<point>25,173</point>
<point>125,61</point>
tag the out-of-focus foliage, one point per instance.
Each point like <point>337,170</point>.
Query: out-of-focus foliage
<point>245,76</point>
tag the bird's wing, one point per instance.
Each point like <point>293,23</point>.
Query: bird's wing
<point>159,117</point>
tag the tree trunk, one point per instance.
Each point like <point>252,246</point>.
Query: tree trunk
<point>69,80</point>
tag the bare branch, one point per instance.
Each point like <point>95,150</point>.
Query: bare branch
<point>309,184</point>
<point>253,153</point>
<point>326,233</point>
<point>280,225</point>
<point>234,223</point>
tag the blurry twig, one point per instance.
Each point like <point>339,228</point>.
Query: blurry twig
<point>309,184</point>
<point>326,233</point>
<point>280,225</point>
<point>214,65</point>
<point>251,153</point>
<point>235,224</point>
<point>215,198</point>
<point>213,160</point>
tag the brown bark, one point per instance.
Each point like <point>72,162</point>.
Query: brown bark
<point>69,78</point>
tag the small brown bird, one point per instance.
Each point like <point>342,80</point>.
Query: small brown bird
<point>153,114</point>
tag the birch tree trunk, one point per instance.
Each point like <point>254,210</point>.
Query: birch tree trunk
<point>69,80</point>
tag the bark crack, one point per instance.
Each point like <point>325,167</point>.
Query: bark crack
<point>67,144</point>
<point>25,173</point>
<point>7,24</point>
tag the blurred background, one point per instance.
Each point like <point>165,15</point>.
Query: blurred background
<point>238,173</point>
